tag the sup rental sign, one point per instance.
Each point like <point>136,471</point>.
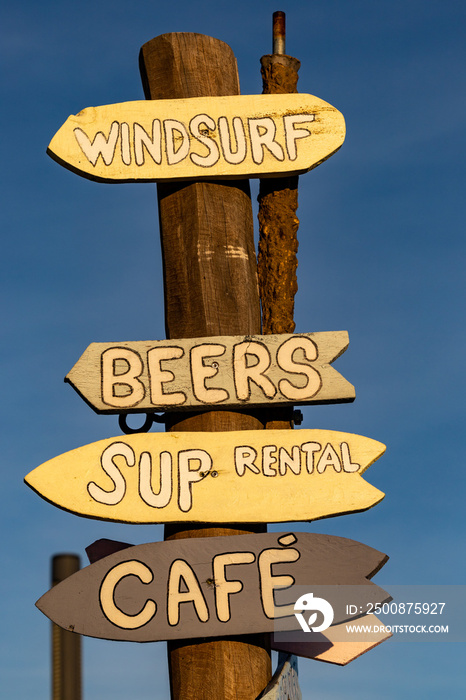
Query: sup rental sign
<point>200,137</point>
<point>249,476</point>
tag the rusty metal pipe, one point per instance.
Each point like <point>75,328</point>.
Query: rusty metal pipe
<point>279,33</point>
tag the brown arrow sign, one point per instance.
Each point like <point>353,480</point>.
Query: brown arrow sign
<point>336,645</point>
<point>174,375</point>
<point>212,586</point>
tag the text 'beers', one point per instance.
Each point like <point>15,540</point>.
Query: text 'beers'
<point>218,371</point>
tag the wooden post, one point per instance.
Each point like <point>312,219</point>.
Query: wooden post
<point>66,646</point>
<point>210,288</point>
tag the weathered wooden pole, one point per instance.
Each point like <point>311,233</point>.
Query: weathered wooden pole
<point>66,646</point>
<point>278,223</point>
<point>210,288</point>
<point>278,202</point>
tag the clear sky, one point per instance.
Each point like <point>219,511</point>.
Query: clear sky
<point>382,251</point>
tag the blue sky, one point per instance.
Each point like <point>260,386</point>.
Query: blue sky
<point>381,254</point>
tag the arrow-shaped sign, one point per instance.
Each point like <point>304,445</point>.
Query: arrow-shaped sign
<point>201,137</point>
<point>212,586</point>
<point>226,372</point>
<point>244,476</point>
<point>339,644</point>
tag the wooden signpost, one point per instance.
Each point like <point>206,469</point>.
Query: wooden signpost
<point>215,599</point>
<point>250,475</point>
<point>212,586</point>
<point>227,372</point>
<point>284,684</point>
<point>206,137</point>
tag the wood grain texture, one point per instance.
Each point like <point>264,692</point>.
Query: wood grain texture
<point>235,476</point>
<point>221,371</point>
<point>207,292</point>
<point>213,586</point>
<point>209,137</point>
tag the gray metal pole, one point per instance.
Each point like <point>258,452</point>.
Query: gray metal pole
<point>66,646</point>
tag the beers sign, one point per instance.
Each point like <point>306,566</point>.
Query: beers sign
<point>248,476</point>
<point>205,137</point>
<point>218,371</point>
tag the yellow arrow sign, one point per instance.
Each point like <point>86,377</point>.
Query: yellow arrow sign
<point>201,137</point>
<point>245,476</point>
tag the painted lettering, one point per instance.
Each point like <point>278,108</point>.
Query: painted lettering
<point>269,458</point>
<point>146,492</point>
<point>152,144</point>
<point>182,574</point>
<point>184,587</point>
<point>169,375</point>
<point>192,466</point>
<point>176,141</point>
<point>159,377</point>
<point>262,134</point>
<point>239,154</point>
<point>244,459</point>
<point>287,461</point>
<point>328,458</point>
<point>202,135</point>
<point>269,582</point>
<point>122,388</point>
<point>348,465</point>
<point>250,362</point>
<point>125,143</point>
<point>225,587</point>
<point>100,146</point>
<point>292,134</point>
<point>188,476</point>
<point>107,595</point>
<point>309,449</point>
<point>107,461</point>
<point>286,360</point>
<point>200,372</point>
<point>158,472</point>
<point>173,140</point>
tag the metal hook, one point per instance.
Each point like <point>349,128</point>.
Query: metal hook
<point>146,426</point>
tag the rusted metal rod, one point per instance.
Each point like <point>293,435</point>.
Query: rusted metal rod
<point>279,33</point>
